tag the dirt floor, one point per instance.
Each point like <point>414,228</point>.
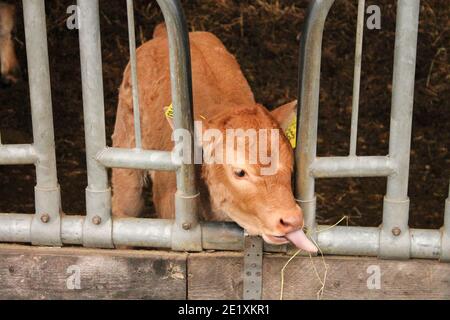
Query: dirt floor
<point>264,35</point>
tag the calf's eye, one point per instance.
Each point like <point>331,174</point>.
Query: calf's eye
<point>240,173</point>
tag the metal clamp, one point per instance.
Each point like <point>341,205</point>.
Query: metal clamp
<point>253,254</point>
<point>186,230</point>
<point>97,227</point>
<point>395,239</point>
<point>46,223</point>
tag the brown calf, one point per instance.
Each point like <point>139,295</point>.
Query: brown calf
<point>262,204</point>
<point>9,66</point>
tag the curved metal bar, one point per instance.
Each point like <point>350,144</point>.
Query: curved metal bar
<point>181,81</point>
<point>309,87</point>
<point>187,231</point>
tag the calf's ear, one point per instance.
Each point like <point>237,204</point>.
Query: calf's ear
<point>285,114</point>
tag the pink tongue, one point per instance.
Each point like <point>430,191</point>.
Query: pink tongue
<point>301,241</point>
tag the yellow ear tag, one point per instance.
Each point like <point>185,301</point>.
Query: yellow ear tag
<point>291,132</point>
<point>168,111</point>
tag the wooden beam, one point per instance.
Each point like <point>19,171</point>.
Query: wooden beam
<point>53,273</point>
<point>219,276</point>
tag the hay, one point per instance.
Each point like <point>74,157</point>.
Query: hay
<point>323,279</point>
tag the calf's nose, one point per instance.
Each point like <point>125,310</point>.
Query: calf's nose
<point>290,222</point>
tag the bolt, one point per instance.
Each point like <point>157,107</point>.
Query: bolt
<point>396,231</point>
<point>45,218</point>
<point>186,226</point>
<point>96,220</point>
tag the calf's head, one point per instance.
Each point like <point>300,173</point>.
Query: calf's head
<point>257,194</point>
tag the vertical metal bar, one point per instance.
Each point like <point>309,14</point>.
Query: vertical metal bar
<point>445,232</point>
<point>134,78</point>
<point>309,87</point>
<point>97,229</point>
<point>46,224</point>
<point>395,239</point>
<point>357,77</point>
<point>187,231</point>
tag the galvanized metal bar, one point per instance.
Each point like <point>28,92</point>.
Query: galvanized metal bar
<point>15,228</point>
<point>187,233</point>
<point>134,77</point>
<point>357,77</point>
<point>141,232</point>
<point>309,86</point>
<point>156,233</point>
<point>17,154</point>
<point>46,225</point>
<point>337,167</point>
<point>97,230</point>
<point>445,240</point>
<point>222,236</point>
<point>395,239</point>
<point>137,159</point>
<point>366,241</point>
<point>349,240</point>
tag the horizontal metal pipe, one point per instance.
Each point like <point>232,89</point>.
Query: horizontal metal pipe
<point>365,241</point>
<point>72,229</point>
<point>157,233</point>
<point>137,159</point>
<point>142,232</point>
<point>338,167</point>
<point>425,243</point>
<point>17,154</point>
<point>222,236</point>
<point>15,228</point>
<point>348,240</point>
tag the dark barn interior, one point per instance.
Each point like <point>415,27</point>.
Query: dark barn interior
<point>264,36</point>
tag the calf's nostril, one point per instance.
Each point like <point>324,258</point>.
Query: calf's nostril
<point>290,223</point>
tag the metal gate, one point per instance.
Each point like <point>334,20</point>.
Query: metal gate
<point>394,239</point>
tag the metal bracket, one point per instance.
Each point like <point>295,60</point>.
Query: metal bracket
<point>253,255</point>
<point>186,231</point>
<point>97,227</point>
<point>46,223</point>
<point>395,239</point>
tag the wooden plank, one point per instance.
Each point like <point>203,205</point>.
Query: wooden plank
<point>52,273</point>
<point>219,276</point>
<point>215,276</point>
